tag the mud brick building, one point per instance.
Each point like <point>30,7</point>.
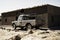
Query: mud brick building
<point>50,13</point>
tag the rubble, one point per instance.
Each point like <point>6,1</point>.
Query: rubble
<point>43,35</point>
<point>8,34</point>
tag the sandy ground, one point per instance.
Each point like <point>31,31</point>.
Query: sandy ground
<point>7,33</point>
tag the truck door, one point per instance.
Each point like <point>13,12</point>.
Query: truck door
<point>28,19</point>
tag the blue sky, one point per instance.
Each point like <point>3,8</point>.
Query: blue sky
<point>10,5</point>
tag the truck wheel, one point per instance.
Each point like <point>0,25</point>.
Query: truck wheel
<point>14,26</point>
<point>29,26</point>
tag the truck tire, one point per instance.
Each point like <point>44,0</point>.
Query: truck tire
<point>28,26</point>
<point>14,26</point>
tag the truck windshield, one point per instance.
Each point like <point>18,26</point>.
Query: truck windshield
<point>28,18</point>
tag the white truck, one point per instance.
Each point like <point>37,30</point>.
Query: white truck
<point>25,21</point>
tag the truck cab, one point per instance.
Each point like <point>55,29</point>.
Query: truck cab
<point>24,21</point>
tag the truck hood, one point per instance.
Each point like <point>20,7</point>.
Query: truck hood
<point>14,21</point>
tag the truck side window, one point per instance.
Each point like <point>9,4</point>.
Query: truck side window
<point>28,18</point>
<point>31,17</point>
<point>25,18</point>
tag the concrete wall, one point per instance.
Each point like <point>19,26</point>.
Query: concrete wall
<point>53,16</point>
<point>42,19</point>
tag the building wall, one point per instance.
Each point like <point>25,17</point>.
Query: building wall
<point>53,16</point>
<point>50,14</point>
<point>8,20</point>
<point>0,20</point>
<point>9,16</point>
<point>42,19</point>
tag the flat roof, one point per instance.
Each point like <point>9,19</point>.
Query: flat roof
<point>31,8</point>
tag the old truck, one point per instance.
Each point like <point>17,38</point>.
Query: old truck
<point>25,21</point>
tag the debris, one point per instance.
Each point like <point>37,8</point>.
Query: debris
<point>30,32</point>
<point>17,37</point>
<point>44,37</point>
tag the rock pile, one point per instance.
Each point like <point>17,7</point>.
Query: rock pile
<point>43,35</point>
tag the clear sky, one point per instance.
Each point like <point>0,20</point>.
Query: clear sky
<point>10,5</point>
